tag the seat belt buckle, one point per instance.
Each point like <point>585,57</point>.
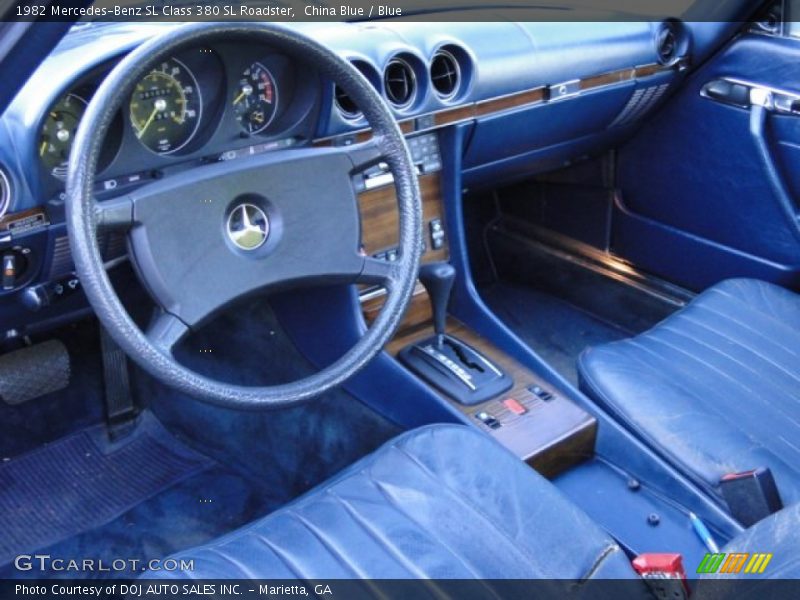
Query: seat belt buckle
<point>751,495</point>
<point>664,574</point>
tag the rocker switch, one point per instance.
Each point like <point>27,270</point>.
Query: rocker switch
<point>514,406</point>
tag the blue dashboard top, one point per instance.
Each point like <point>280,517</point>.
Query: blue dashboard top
<point>496,59</point>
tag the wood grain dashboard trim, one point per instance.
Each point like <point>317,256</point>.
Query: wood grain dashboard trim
<point>513,101</point>
<point>380,219</point>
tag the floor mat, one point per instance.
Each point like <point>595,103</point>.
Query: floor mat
<point>195,511</point>
<point>83,481</point>
<point>556,330</point>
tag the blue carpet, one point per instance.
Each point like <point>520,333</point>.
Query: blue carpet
<point>555,329</point>
<point>83,481</point>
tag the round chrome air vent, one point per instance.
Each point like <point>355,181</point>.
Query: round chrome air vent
<point>5,192</point>
<point>400,83</point>
<point>445,74</point>
<point>770,21</point>
<point>344,103</point>
<point>670,42</point>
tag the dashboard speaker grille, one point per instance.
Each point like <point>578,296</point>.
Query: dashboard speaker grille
<point>642,101</point>
<point>399,82</point>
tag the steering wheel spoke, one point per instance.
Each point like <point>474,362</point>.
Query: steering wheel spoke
<point>166,331</point>
<point>115,214</point>
<point>376,271</point>
<point>202,238</point>
<point>367,154</point>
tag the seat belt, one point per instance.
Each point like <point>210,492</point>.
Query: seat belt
<point>664,574</point>
<point>751,495</point>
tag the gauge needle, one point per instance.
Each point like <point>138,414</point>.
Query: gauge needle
<point>43,148</point>
<point>247,89</point>
<point>152,116</point>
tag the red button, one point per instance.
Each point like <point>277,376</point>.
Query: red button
<point>514,406</point>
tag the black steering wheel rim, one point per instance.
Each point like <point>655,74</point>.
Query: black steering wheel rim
<point>84,216</point>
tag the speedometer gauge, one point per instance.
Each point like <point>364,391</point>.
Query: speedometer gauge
<point>58,131</point>
<point>256,99</point>
<point>165,107</point>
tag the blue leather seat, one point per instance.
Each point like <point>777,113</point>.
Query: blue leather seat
<point>443,501</point>
<point>715,387</point>
<point>776,535</point>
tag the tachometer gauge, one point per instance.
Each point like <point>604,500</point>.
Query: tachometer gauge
<point>256,99</point>
<point>58,131</point>
<point>165,107</point>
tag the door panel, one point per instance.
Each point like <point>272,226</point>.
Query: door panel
<point>698,203</point>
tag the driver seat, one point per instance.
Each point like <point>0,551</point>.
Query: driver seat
<point>442,501</point>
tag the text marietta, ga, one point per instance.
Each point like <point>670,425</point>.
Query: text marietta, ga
<point>161,590</point>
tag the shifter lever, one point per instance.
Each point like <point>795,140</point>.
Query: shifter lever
<point>438,280</point>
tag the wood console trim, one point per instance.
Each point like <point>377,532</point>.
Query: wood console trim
<point>380,225</point>
<point>553,437</point>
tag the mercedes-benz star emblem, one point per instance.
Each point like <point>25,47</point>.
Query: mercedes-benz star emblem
<point>248,227</point>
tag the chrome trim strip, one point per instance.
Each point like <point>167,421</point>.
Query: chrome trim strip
<point>5,193</point>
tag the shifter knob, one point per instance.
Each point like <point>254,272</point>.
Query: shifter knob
<point>438,280</point>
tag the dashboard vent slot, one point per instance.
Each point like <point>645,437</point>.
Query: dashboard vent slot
<point>61,264</point>
<point>400,83</point>
<point>445,74</point>
<point>345,104</point>
<point>642,101</point>
<point>5,192</point>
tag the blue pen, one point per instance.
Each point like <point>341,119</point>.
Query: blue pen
<point>703,533</point>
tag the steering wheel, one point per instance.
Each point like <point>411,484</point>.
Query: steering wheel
<point>202,239</point>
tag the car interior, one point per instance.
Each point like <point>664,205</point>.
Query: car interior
<point>389,299</point>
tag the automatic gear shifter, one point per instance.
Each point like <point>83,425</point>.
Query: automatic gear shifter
<point>438,280</point>
<point>444,361</point>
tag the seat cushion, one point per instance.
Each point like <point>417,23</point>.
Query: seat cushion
<point>775,535</point>
<point>715,387</point>
<point>443,501</point>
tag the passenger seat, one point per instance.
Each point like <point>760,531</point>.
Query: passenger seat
<point>715,388</point>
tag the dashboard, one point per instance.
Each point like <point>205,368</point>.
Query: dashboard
<point>527,96</point>
<point>204,104</point>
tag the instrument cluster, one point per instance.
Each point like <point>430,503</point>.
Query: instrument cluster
<point>200,103</point>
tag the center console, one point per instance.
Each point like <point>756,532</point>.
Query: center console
<point>490,388</point>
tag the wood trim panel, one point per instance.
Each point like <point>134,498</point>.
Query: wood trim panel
<point>380,225</point>
<point>607,79</point>
<point>511,101</point>
<point>517,100</point>
<point>653,69</point>
<point>552,437</point>
<point>418,313</point>
<point>454,115</point>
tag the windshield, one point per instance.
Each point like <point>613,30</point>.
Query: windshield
<point>450,10</point>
